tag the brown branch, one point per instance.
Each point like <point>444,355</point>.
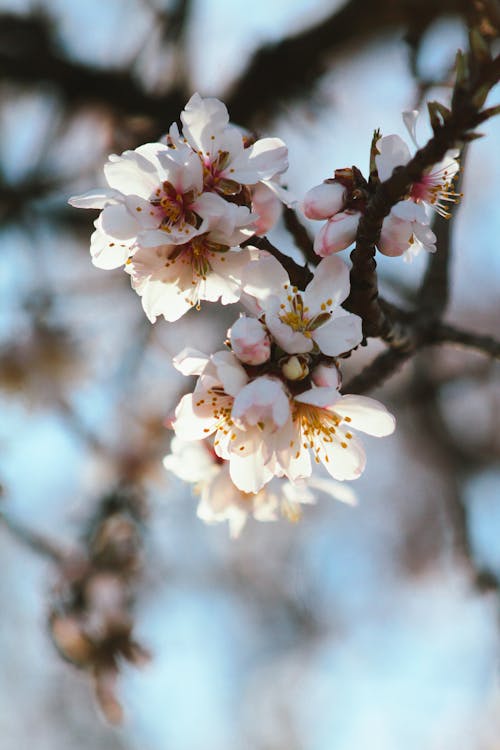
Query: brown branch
<point>446,334</point>
<point>456,129</point>
<point>300,276</point>
<point>34,541</point>
<point>300,235</point>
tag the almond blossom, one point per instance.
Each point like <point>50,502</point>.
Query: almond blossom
<point>173,278</point>
<point>250,341</point>
<point>245,417</point>
<point>155,196</point>
<point>228,164</point>
<point>321,425</point>
<point>309,320</point>
<point>435,189</point>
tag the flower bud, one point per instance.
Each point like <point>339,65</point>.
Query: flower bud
<point>325,200</point>
<point>326,376</point>
<point>295,368</point>
<point>250,341</point>
<point>267,206</point>
<point>337,234</point>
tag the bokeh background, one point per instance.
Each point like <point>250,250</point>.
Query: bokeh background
<point>373,626</point>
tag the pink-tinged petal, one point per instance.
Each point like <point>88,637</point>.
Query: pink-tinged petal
<point>338,335</point>
<point>230,372</point>
<point>324,201</point>
<point>249,473</point>
<point>265,159</point>
<point>324,397</point>
<point>330,285</point>
<point>190,461</point>
<point>366,414</point>
<point>395,236</point>
<point>268,207</point>
<point>326,376</point>
<point>190,361</point>
<point>345,463</point>
<point>337,234</point>
<point>97,198</point>
<point>192,422</point>
<point>264,277</point>
<point>131,174</point>
<point>393,153</point>
<point>118,222</point>
<point>106,252</point>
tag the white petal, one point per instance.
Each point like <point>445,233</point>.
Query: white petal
<point>264,277</point>
<point>97,198</point>
<point>230,372</point>
<point>266,158</point>
<point>131,174</point>
<point>330,283</point>
<point>190,361</point>
<point>393,153</point>
<point>338,233</point>
<point>118,222</point>
<point>337,490</point>
<point>324,397</point>
<point>324,201</point>
<point>366,414</point>
<point>191,422</point>
<point>203,118</point>
<point>345,463</point>
<point>249,473</point>
<point>106,252</point>
<point>340,334</point>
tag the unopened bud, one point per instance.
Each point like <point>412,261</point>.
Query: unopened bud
<point>250,341</point>
<point>326,376</point>
<point>337,234</point>
<point>325,200</point>
<point>295,368</point>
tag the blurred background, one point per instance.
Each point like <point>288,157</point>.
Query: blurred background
<point>373,626</point>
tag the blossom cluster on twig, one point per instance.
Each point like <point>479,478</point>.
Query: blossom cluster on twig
<point>186,218</point>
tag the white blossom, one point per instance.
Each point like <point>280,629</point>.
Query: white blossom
<point>338,233</point>
<point>302,321</point>
<point>171,279</point>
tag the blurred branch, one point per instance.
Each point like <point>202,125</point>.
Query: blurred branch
<point>445,450</point>
<point>446,334</point>
<point>300,235</point>
<point>36,542</point>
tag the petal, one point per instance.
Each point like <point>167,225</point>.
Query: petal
<point>338,335</point>
<point>366,414</point>
<point>393,153</point>
<point>324,397</point>
<point>337,490</point>
<point>345,463</point>
<point>203,118</point>
<point>410,120</point>
<point>264,277</point>
<point>330,285</point>
<point>97,198</point>
<point>131,174</point>
<point>249,473</point>
<point>117,222</point>
<point>324,201</point>
<point>106,253</point>
<point>338,233</point>
<point>266,158</point>
<point>190,361</point>
<point>191,422</point>
<point>230,372</point>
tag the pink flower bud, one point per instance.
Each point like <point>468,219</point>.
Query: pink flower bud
<point>326,376</point>
<point>324,201</point>
<point>267,206</point>
<point>250,341</point>
<point>395,236</point>
<point>337,234</point>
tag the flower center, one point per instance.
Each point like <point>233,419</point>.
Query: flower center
<point>174,207</point>
<point>320,428</point>
<point>296,315</point>
<point>212,177</point>
<point>437,189</point>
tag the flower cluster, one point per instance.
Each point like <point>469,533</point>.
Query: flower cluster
<point>342,200</point>
<point>267,411</point>
<point>175,213</point>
